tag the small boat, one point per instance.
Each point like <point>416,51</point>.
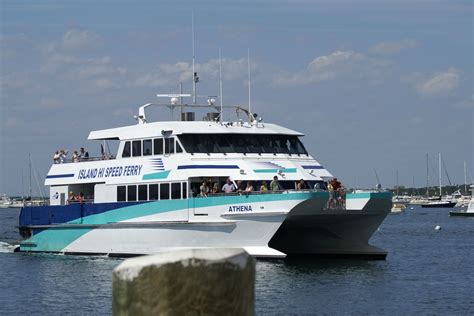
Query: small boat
<point>470,208</point>
<point>5,202</point>
<point>398,208</point>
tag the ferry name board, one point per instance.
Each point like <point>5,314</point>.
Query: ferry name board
<point>109,172</point>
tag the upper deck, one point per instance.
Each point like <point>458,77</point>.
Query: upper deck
<point>156,129</point>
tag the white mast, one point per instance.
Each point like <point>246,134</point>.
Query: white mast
<point>194,72</point>
<point>248,70</point>
<point>440,189</point>
<point>220,87</point>
<point>465,177</point>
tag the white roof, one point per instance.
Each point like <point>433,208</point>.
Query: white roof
<point>195,127</point>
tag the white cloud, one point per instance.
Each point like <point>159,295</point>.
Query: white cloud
<point>166,74</point>
<point>392,47</point>
<point>76,39</point>
<point>328,67</point>
<point>442,83</point>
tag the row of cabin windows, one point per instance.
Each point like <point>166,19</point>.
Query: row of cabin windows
<point>148,147</point>
<point>152,192</point>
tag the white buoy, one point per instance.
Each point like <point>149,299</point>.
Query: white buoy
<point>438,227</point>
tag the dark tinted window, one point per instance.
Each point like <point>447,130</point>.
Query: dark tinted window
<point>242,143</point>
<point>176,191</point>
<point>179,149</point>
<point>164,191</point>
<point>142,192</point>
<point>121,193</point>
<point>158,146</point>
<point>147,147</point>
<point>132,193</point>
<point>126,150</point>
<point>185,190</point>
<point>169,145</point>
<point>136,148</point>
<point>153,192</point>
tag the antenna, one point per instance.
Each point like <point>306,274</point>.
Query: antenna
<point>195,76</point>
<point>220,86</point>
<point>248,70</point>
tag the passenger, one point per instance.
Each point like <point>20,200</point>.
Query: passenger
<point>83,154</point>
<point>75,156</point>
<point>263,187</point>
<point>332,195</point>
<point>80,198</point>
<point>301,185</point>
<point>71,197</point>
<point>62,155</point>
<point>56,157</point>
<point>215,188</point>
<point>317,186</point>
<point>249,187</point>
<point>240,188</point>
<point>203,189</point>
<point>274,185</point>
<point>228,186</point>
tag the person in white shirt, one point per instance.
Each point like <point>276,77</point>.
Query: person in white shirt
<point>228,187</point>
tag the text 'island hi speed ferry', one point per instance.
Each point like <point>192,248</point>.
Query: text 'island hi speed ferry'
<point>147,199</point>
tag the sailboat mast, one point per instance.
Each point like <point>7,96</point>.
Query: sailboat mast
<point>440,189</point>
<point>465,177</point>
<point>427,177</point>
<point>396,172</point>
<point>29,161</point>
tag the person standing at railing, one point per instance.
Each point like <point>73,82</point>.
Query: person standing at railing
<point>83,154</point>
<point>263,187</point>
<point>203,189</point>
<point>75,156</point>
<point>274,185</point>
<point>215,188</point>
<point>331,194</point>
<point>56,157</point>
<point>249,187</point>
<point>301,185</point>
<point>228,187</point>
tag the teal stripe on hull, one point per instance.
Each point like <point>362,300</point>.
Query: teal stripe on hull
<point>156,175</point>
<point>56,239</point>
<point>368,195</point>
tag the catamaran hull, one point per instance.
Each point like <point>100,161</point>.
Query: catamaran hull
<point>309,228</point>
<point>330,233</point>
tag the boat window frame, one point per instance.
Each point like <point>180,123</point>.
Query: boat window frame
<point>126,151</point>
<point>137,147</point>
<point>147,140</point>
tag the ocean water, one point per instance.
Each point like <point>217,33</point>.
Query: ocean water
<point>427,272</point>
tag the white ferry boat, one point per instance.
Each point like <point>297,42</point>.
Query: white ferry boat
<point>146,198</point>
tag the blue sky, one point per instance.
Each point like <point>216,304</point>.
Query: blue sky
<point>372,84</point>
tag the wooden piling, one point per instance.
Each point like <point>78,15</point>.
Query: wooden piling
<point>187,282</point>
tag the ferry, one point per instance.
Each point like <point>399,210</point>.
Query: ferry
<point>147,197</point>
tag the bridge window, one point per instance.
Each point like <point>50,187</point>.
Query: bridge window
<point>147,147</point>
<point>132,193</point>
<point>179,149</point>
<point>142,192</point>
<point>136,148</point>
<point>242,143</point>
<point>158,146</point>
<point>126,150</point>
<point>121,193</point>
<point>169,145</point>
<point>164,191</point>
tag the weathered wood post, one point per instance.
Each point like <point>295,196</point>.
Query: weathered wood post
<point>218,281</point>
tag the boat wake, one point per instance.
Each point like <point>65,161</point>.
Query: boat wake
<point>6,247</point>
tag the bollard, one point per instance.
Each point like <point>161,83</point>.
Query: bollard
<point>219,281</point>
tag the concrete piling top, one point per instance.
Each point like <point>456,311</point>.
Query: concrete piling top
<point>130,268</point>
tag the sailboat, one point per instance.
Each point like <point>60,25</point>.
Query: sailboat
<point>439,203</point>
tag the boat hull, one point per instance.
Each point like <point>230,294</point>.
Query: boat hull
<point>313,230</point>
<point>278,225</point>
<point>439,205</point>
